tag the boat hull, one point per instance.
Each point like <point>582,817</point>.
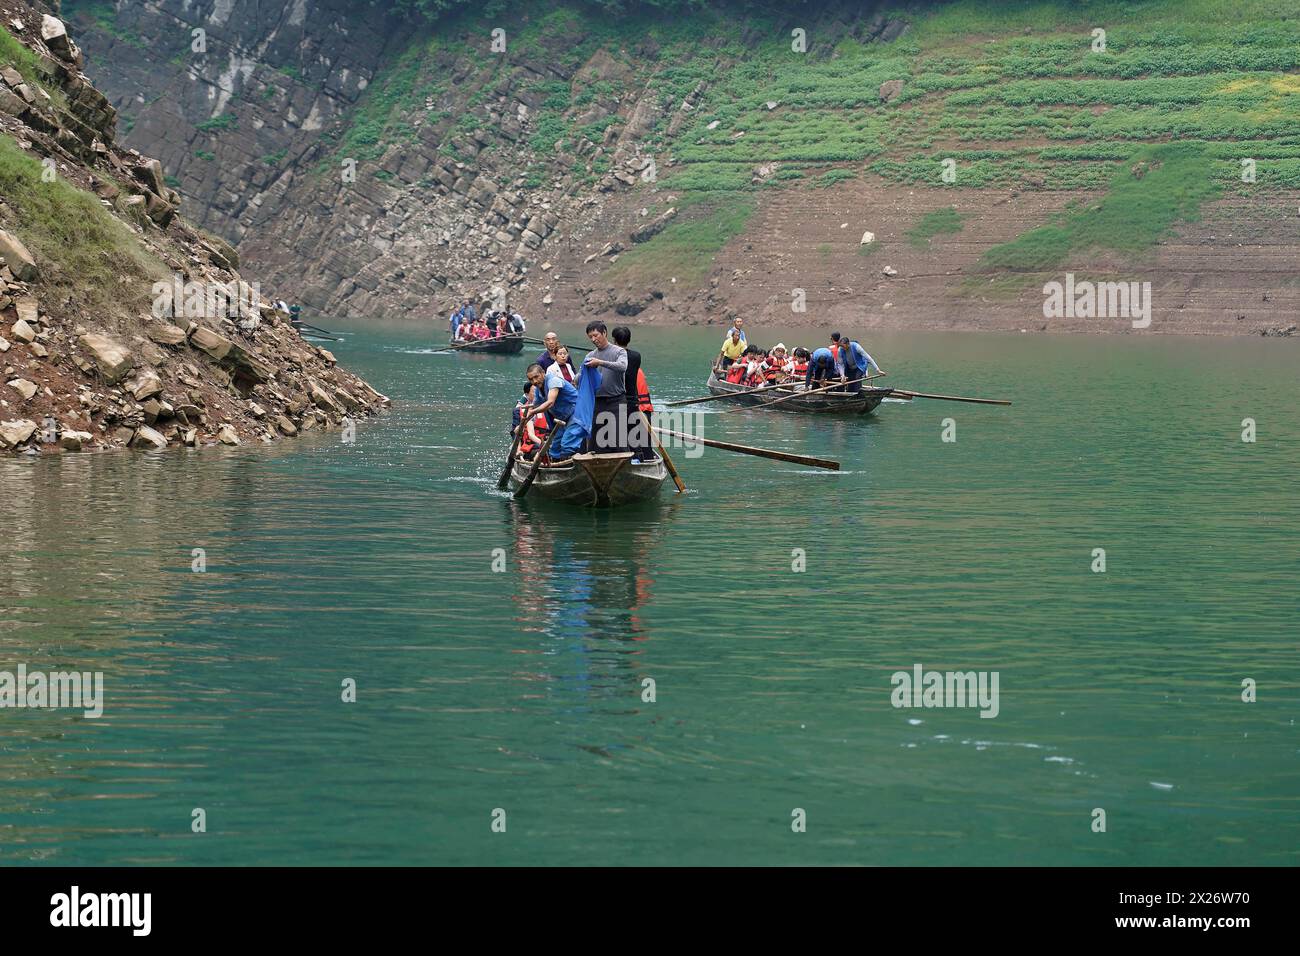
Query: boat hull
<point>594,481</point>
<point>505,345</point>
<point>823,403</point>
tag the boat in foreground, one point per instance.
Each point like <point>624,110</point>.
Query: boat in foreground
<point>500,345</point>
<point>594,480</point>
<point>823,403</point>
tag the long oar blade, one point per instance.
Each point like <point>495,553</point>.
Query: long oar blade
<point>756,452</point>
<point>905,393</point>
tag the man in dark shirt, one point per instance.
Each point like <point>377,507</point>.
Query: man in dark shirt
<point>638,437</point>
<point>609,421</point>
<point>552,342</point>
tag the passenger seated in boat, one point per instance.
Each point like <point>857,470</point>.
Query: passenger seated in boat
<point>501,326</point>
<point>564,364</point>
<point>735,373</point>
<point>799,364</point>
<point>534,436</point>
<point>777,365</point>
<point>754,368</point>
<point>552,343</point>
<point>732,349</point>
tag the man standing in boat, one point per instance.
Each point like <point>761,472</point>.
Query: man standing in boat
<point>851,361</point>
<point>609,422</point>
<point>636,394</point>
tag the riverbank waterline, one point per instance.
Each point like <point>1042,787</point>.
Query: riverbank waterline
<point>524,690</point>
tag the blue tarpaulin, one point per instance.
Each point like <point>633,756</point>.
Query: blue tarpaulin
<point>570,439</point>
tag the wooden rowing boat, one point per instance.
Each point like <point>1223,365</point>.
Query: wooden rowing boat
<point>823,403</point>
<point>501,345</point>
<point>594,480</point>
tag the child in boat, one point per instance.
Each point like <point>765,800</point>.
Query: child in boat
<point>754,364</point>
<point>777,365</point>
<point>534,436</point>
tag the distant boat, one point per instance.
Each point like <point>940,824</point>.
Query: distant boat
<point>500,345</point>
<point>823,403</point>
<point>594,480</point>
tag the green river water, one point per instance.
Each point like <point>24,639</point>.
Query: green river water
<point>522,690</point>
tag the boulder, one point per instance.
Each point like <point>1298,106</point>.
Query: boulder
<point>146,437</point>
<point>867,238</point>
<point>164,333</point>
<point>204,339</point>
<point>16,432</point>
<point>146,385</point>
<point>22,331</point>
<point>227,435</point>
<point>23,387</point>
<point>321,398</point>
<point>654,226</point>
<point>17,258</point>
<point>28,309</point>
<point>112,358</point>
<point>890,89</point>
<point>55,35</point>
<point>285,426</point>
<point>4,344</point>
<point>73,440</point>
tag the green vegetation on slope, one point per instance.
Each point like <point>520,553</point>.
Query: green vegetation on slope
<point>1166,185</point>
<point>79,247</point>
<point>1013,92</point>
<point>932,224</point>
<point>684,250</point>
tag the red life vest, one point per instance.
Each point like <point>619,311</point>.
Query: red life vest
<point>735,373</point>
<point>801,367</point>
<point>643,393</point>
<point>526,447</point>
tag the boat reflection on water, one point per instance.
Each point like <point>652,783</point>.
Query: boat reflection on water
<point>583,581</point>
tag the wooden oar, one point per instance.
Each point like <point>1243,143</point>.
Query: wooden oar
<point>537,461</point>
<point>756,452</point>
<point>714,398</point>
<point>510,458</point>
<point>571,348</point>
<point>904,393</point>
<point>668,462</point>
<point>786,398</point>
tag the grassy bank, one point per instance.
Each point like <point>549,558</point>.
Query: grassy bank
<point>79,247</point>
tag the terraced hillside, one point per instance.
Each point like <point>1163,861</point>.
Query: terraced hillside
<point>670,165</point>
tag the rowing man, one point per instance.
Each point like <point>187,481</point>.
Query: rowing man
<point>852,361</point>
<point>561,397</point>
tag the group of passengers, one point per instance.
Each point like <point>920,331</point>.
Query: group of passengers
<point>467,325</point>
<point>843,363</point>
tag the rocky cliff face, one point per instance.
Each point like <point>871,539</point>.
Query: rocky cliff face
<point>687,167</point>
<point>122,324</point>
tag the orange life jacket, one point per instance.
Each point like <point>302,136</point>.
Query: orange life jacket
<point>643,393</point>
<point>735,372</point>
<point>801,367</point>
<point>526,447</point>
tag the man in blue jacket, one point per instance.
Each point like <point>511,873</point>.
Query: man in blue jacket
<point>821,368</point>
<point>854,360</point>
